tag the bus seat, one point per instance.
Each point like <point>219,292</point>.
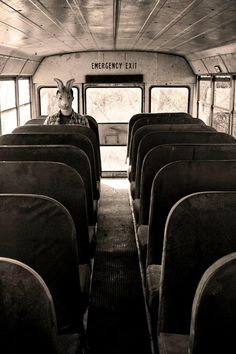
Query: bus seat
<point>39,231</point>
<point>68,154</point>
<point>161,155</point>
<point>31,326</point>
<point>94,126</point>
<point>143,131</point>
<point>78,140</point>
<point>161,117</point>
<point>212,328</point>
<point>58,181</point>
<point>67,129</point>
<point>141,122</point>
<point>92,123</point>
<point>189,177</point>
<point>159,138</point>
<point>35,121</point>
<point>28,321</point>
<point>200,229</point>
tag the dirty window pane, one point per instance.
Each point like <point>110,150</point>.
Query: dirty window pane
<point>221,105</point>
<point>7,94</point>
<point>113,104</point>
<point>222,94</point>
<point>24,114</point>
<point>8,121</point>
<point>48,102</point>
<point>169,99</point>
<point>113,158</point>
<point>24,91</point>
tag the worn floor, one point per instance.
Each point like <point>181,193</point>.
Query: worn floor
<point>116,318</point>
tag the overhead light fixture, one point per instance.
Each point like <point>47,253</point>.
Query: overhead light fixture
<point>218,69</point>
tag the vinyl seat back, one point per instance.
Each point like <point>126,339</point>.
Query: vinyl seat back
<point>67,154</point>
<point>200,229</point>
<point>55,180</point>
<point>161,155</point>
<point>213,318</point>
<point>78,140</point>
<point>67,129</point>
<point>28,321</point>
<point>166,118</point>
<point>39,231</point>
<point>141,122</point>
<point>143,131</point>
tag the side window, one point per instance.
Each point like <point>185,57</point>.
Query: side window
<point>24,101</point>
<point>8,106</point>
<point>205,100</point>
<point>14,110</point>
<point>221,107</point>
<point>169,99</point>
<point>48,102</point>
<point>234,110</point>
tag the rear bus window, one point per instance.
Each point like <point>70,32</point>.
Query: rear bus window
<point>48,102</point>
<point>113,104</point>
<point>169,99</point>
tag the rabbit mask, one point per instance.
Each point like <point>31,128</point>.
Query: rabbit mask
<point>65,96</point>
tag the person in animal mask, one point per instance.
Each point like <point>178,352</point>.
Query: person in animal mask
<point>66,114</point>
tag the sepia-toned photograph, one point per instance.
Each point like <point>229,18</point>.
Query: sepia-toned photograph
<point>117,177</point>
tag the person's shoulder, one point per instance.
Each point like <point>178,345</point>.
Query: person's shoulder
<point>76,115</point>
<point>81,119</point>
<point>51,118</point>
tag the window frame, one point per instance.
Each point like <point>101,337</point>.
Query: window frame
<point>232,101</point>
<point>54,87</point>
<point>169,86</point>
<point>17,106</point>
<point>113,85</point>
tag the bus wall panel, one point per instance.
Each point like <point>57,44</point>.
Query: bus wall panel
<point>155,67</point>
<point>3,61</point>
<point>230,62</point>
<point>13,66</point>
<point>29,68</point>
<point>213,63</point>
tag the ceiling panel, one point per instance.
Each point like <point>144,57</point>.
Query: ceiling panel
<point>37,28</point>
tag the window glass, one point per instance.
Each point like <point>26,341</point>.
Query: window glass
<point>222,94</point>
<point>169,99</point>
<point>205,91</point>
<point>8,121</point>
<point>222,91</point>
<point>113,158</point>
<point>234,113</point>
<point>25,114</point>
<point>113,104</point>
<point>48,101</point>
<point>204,112</point>
<point>234,125</point>
<point>205,99</point>
<point>7,94</point>
<point>24,91</point>
<point>221,120</point>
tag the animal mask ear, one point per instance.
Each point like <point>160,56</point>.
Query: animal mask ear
<point>69,84</point>
<point>59,84</point>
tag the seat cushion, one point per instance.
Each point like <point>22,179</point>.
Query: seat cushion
<point>172,343</point>
<point>142,234</point>
<point>136,206</point>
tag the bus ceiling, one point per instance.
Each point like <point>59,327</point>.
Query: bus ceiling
<point>203,32</point>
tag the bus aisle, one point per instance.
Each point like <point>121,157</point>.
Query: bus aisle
<point>116,317</point>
